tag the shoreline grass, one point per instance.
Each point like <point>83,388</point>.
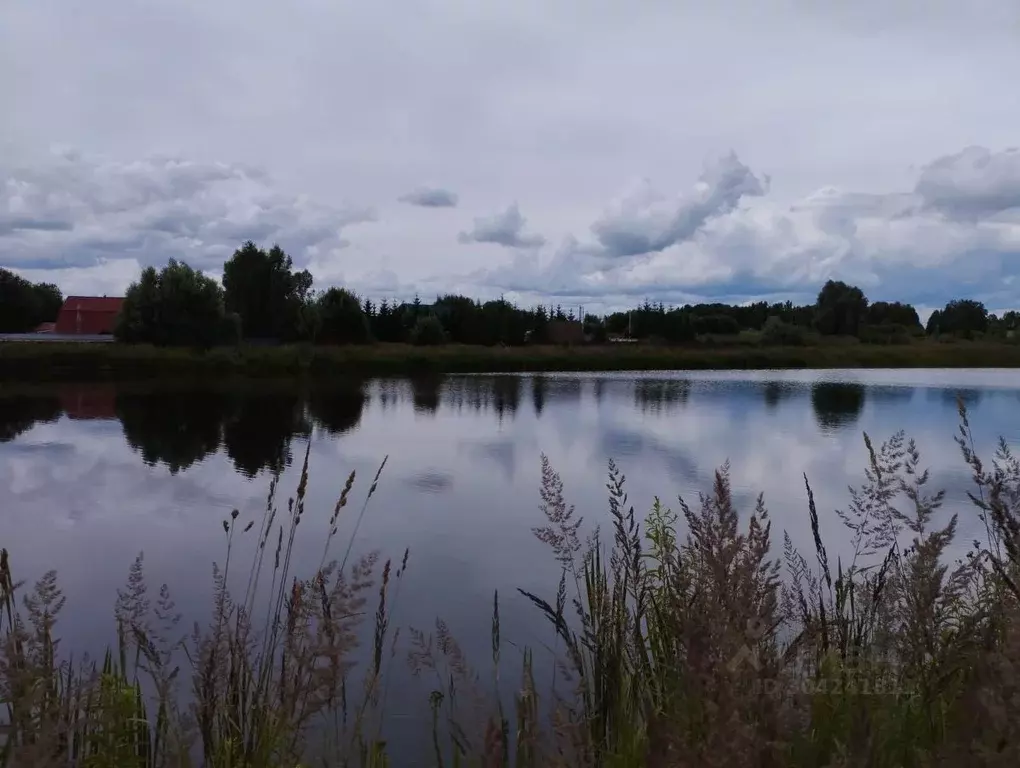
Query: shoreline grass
<point>684,638</point>
<point>37,361</point>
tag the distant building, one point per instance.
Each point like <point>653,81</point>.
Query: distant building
<point>565,332</point>
<point>91,315</point>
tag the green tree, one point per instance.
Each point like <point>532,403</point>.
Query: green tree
<point>960,317</point>
<point>177,306</point>
<point>342,319</point>
<point>25,305</point>
<point>721,325</point>
<point>428,332</point>
<point>840,309</point>
<point>883,313</point>
<point>678,326</point>
<point>460,318</point>
<point>262,287</point>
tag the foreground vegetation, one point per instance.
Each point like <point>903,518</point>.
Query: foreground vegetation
<point>676,648</point>
<point>28,361</point>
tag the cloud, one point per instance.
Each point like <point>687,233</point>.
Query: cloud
<point>644,221</point>
<point>973,184</point>
<point>891,172</point>
<point>430,197</point>
<point>74,211</point>
<point>506,229</point>
<point>956,232</point>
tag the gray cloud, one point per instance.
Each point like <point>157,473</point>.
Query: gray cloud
<point>430,197</point>
<point>972,184</point>
<point>506,229</point>
<point>75,211</point>
<point>646,222</point>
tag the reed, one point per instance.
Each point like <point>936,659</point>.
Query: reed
<point>48,361</point>
<point>683,638</point>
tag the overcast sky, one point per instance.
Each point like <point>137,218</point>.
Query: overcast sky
<point>596,152</point>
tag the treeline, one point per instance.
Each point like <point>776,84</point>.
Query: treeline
<point>262,298</point>
<point>25,305</point>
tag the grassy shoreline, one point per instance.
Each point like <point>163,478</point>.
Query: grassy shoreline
<point>29,361</point>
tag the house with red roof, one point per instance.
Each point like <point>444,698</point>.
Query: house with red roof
<point>88,315</point>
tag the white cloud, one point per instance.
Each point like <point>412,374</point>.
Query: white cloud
<point>883,128</point>
<point>643,221</point>
<point>957,231</point>
<point>75,212</point>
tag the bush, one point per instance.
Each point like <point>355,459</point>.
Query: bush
<point>886,333</point>
<point>341,319</point>
<point>428,332</point>
<point>778,333</point>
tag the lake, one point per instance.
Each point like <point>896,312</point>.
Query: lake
<point>92,474</point>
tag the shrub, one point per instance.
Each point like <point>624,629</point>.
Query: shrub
<point>887,333</point>
<point>341,318</point>
<point>428,332</point>
<point>778,333</point>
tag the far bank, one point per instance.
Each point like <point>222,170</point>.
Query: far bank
<point>28,361</point>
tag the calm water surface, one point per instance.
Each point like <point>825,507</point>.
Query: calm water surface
<point>91,474</point>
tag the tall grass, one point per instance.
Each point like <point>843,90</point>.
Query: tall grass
<point>36,361</point>
<point>685,638</point>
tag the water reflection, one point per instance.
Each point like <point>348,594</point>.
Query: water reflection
<point>431,481</point>
<point>255,424</point>
<point>506,395</point>
<point>258,432</point>
<point>661,395</point>
<point>18,414</point>
<point>538,387</point>
<point>775,391</point>
<point>969,395</point>
<point>891,395</point>
<point>837,404</point>
<point>501,394</point>
<point>337,407</point>
<point>97,401</point>
<point>426,393</point>
<point>176,428</point>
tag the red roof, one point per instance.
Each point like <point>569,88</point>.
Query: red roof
<point>93,303</point>
<point>88,314</point>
